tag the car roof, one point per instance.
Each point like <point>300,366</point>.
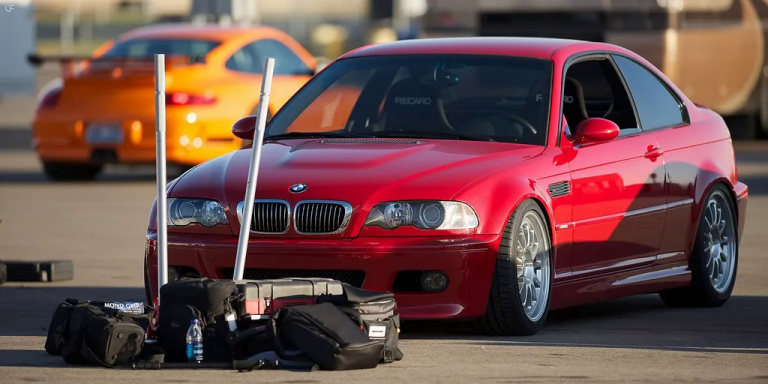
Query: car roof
<point>542,48</point>
<point>185,30</point>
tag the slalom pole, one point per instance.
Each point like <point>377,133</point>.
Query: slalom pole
<point>162,197</point>
<point>253,171</point>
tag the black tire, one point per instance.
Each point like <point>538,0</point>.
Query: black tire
<point>71,172</point>
<point>505,314</point>
<point>701,292</point>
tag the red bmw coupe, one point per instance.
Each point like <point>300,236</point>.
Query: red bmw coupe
<point>487,178</point>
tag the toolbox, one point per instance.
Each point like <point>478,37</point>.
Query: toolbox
<point>262,298</point>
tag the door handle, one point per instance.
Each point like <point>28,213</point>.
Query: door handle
<point>654,152</point>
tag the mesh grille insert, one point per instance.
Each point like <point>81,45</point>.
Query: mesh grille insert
<point>319,217</point>
<point>270,217</point>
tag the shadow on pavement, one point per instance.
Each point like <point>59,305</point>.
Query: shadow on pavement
<point>31,358</point>
<point>27,177</point>
<point>639,322</point>
<point>758,185</point>
<point>15,139</point>
<point>34,306</point>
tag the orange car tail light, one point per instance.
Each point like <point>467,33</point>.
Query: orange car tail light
<point>50,99</point>
<point>181,98</point>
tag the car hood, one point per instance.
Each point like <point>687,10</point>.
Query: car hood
<point>362,172</point>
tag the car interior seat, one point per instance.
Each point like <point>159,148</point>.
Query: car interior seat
<point>411,105</point>
<point>574,106</point>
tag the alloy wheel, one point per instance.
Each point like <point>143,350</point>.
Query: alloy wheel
<point>719,241</point>
<point>533,266</point>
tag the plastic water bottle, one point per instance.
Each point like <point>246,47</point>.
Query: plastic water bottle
<point>194,343</point>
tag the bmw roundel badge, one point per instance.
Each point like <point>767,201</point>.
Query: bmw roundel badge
<point>298,188</point>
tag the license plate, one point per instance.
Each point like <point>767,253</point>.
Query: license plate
<point>101,133</point>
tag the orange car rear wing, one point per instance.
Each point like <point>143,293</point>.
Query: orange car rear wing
<point>73,66</point>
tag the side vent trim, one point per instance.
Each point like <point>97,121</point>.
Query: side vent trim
<point>560,188</point>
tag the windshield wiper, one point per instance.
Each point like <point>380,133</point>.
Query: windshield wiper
<point>433,135</point>
<point>304,135</point>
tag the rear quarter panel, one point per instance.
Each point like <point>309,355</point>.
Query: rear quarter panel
<point>697,157</point>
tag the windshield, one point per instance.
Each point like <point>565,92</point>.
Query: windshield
<point>147,48</point>
<point>454,97</point>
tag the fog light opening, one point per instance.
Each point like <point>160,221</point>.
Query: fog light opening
<point>434,281</point>
<point>184,140</point>
<point>197,142</point>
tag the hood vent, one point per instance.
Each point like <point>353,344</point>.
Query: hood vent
<point>370,141</point>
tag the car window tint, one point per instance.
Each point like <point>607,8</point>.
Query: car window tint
<point>251,58</point>
<point>244,60</point>
<point>656,105</point>
<point>593,88</point>
<point>331,110</point>
<point>484,97</point>
<point>147,48</point>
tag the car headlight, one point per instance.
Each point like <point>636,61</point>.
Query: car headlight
<point>423,214</point>
<point>207,213</point>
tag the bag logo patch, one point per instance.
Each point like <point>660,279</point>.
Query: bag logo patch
<point>377,331</point>
<point>135,308</point>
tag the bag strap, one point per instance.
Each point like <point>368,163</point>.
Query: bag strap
<point>273,333</point>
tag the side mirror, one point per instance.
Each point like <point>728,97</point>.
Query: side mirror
<point>596,130</point>
<point>245,127</point>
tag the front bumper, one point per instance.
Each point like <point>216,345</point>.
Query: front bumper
<point>467,261</point>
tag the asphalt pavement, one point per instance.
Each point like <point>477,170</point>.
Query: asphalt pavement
<point>101,227</point>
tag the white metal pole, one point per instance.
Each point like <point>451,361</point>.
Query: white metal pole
<point>253,172</point>
<point>162,198</point>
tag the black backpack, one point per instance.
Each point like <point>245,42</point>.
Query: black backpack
<point>376,312</point>
<point>325,334</point>
<point>85,333</point>
<point>204,299</point>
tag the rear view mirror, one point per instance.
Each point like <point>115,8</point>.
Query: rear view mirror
<point>245,127</point>
<point>596,130</point>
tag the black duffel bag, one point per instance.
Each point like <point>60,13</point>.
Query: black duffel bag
<point>86,333</point>
<point>58,328</point>
<point>204,299</point>
<point>326,335</point>
<point>376,310</point>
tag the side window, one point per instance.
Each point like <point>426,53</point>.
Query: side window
<point>656,105</point>
<point>251,57</point>
<point>286,61</point>
<point>593,88</point>
<point>244,60</point>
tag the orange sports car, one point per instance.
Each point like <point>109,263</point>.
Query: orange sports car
<point>102,110</point>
